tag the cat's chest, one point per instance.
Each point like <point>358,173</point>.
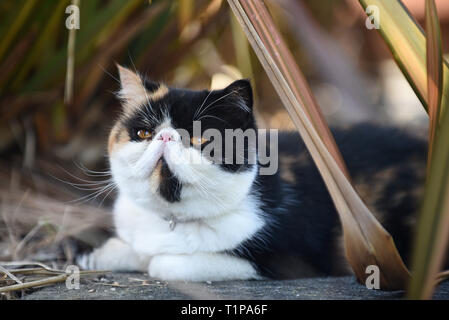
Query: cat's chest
<point>131,220</point>
<point>146,230</point>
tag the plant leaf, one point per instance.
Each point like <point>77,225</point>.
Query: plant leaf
<point>69,80</point>
<point>434,57</point>
<point>432,234</point>
<point>433,224</point>
<point>25,11</point>
<point>366,241</point>
<point>406,41</point>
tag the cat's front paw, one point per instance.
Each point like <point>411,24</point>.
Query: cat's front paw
<point>114,255</point>
<point>167,267</point>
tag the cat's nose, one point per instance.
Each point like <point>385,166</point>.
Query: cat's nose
<point>166,136</point>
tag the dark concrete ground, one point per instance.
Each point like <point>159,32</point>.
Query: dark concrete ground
<point>139,286</point>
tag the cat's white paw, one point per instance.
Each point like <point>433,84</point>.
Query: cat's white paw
<point>200,267</point>
<point>114,255</point>
<point>167,267</point>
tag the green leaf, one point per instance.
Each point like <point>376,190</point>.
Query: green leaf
<point>6,41</point>
<point>407,43</point>
<point>434,58</point>
<point>433,225</point>
<point>52,70</point>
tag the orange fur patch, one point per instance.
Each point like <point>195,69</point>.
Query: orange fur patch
<point>117,138</point>
<point>130,106</point>
<point>157,172</point>
<point>159,93</point>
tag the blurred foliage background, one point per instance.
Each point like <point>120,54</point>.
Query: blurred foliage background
<point>185,43</point>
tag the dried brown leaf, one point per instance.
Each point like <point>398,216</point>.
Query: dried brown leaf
<point>366,241</point>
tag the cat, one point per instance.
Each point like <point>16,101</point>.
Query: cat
<point>180,215</point>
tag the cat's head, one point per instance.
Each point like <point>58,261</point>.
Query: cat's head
<point>165,152</point>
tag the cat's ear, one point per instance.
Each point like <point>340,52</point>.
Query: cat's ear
<point>243,89</point>
<point>132,90</point>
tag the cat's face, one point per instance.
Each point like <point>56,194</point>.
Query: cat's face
<point>160,158</point>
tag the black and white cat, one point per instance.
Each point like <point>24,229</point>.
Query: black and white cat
<point>181,216</point>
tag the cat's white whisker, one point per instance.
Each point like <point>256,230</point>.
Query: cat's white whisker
<point>195,115</point>
<point>92,196</point>
<point>109,74</point>
<point>216,100</point>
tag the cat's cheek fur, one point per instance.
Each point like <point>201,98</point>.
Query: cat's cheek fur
<point>185,162</point>
<point>136,159</point>
<point>207,189</point>
<point>132,168</point>
<point>218,193</point>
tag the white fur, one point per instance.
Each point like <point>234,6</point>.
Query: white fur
<point>200,267</point>
<point>148,233</point>
<point>115,255</point>
<point>215,213</point>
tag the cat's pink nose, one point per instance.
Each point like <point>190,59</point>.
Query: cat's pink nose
<point>166,137</point>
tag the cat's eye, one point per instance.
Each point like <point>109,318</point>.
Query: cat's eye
<point>197,141</point>
<point>143,134</point>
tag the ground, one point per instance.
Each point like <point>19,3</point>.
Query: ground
<point>139,286</point>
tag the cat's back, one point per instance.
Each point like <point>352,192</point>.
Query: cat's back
<point>387,167</point>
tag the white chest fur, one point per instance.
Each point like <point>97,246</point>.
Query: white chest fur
<point>149,233</point>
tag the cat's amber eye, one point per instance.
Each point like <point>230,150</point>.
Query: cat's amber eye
<point>144,134</point>
<point>197,141</point>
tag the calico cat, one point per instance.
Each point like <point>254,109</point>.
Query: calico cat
<point>180,215</point>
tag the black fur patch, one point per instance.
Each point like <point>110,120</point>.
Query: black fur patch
<point>151,86</point>
<point>302,225</point>
<point>170,187</point>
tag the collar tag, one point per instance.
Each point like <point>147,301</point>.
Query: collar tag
<point>172,223</point>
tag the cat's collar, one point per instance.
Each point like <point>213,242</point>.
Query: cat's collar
<point>173,221</point>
